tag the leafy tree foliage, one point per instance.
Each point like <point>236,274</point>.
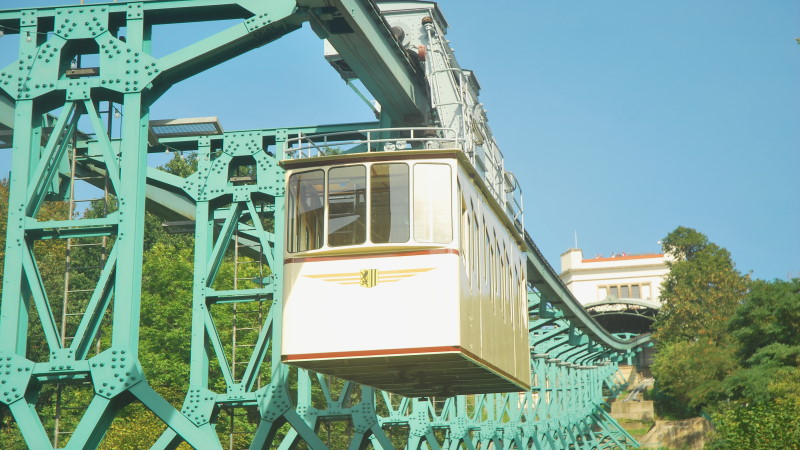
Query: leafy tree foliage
<point>692,373</point>
<point>728,345</point>
<point>766,333</point>
<point>767,324</point>
<point>761,426</point>
<point>700,293</point>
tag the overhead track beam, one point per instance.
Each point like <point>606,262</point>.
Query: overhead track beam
<point>361,35</point>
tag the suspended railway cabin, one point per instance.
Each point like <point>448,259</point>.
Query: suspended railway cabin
<point>402,273</point>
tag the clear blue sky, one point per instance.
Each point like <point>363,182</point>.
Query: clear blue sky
<point>622,119</point>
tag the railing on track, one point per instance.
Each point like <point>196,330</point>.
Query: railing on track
<point>374,140</point>
<point>503,187</point>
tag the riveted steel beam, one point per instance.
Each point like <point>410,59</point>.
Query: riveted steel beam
<point>364,39</point>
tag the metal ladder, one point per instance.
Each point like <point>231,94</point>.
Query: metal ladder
<point>75,299</point>
<point>247,320</point>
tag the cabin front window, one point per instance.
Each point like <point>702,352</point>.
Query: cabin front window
<point>432,204</point>
<point>306,203</point>
<point>382,203</point>
<point>389,203</point>
<point>347,206</point>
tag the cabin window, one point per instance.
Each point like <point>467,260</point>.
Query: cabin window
<point>306,206</point>
<point>347,205</point>
<point>513,299</point>
<point>464,237</point>
<point>487,260</point>
<point>432,203</point>
<point>492,280</point>
<point>498,280</point>
<point>474,245</point>
<point>389,203</point>
<point>506,287</point>
<point>523,300</point>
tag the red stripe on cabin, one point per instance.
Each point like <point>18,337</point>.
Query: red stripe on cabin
<point>362,353</point>
<point>440,251</point>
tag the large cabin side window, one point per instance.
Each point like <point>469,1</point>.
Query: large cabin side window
<point>492,270</point>
<point>522,299</point>
<point>487,260</point>
<point>509,300</point>
<point>306,205</point>
<point>433,221</point>
<point>347,205</point>
<point>475,248</point>
<point>513,298</point>
<point>464,233</point>
<point>389,203</point>
<point>498,280</point>
<point>504,287</point>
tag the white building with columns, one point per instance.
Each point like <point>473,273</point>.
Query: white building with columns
<point>622,291</point>
<point>620,276</point>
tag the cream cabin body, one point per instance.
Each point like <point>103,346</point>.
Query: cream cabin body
<point>401,274</point>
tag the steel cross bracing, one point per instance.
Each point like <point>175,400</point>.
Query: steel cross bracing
<point>573,358</point>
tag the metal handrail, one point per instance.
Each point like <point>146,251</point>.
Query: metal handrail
<point>303,147</point>
<point>410,138</point>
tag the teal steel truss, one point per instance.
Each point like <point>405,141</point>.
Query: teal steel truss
<point>64,109</point>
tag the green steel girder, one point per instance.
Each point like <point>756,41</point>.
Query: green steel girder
<point>625,301</point>
<point>125,68</point>
<point>65,229</point>
<point>559,411</point>
<point>173,198</point>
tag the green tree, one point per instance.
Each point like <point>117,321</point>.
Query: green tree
<point>728,346</point>
<point>766,329</point>
<point>695,352</point>
<point>700,292</point>
<point>691,372</point>
<point>767,324</point>
<point>765,393</point>
<point>762,426</point>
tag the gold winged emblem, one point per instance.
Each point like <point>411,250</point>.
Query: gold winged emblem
<point>369,277</point>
